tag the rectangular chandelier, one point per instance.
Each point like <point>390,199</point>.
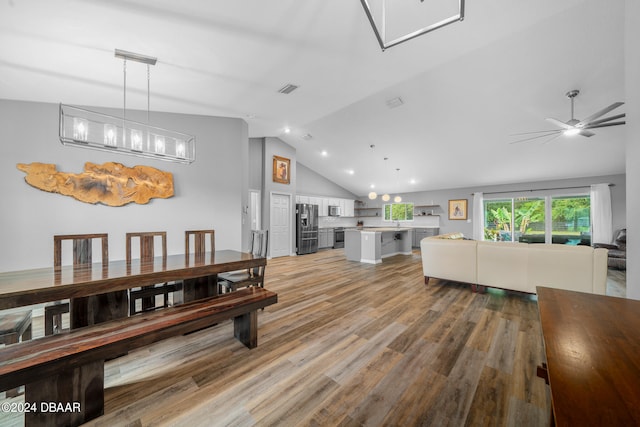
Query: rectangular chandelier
<point>88,129</point>
<point>394,22</point>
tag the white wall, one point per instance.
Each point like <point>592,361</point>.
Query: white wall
<point>632,81</point>
<point>208,193</point>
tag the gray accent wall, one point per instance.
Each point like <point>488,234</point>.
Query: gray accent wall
<point>276,147</point>
<point>209,193</point>
<point>442,197</point>
<point>312,183</point>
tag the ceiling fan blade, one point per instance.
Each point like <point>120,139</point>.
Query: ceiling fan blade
<point>531,133</point>
<point>586,133</point>
<point>600,113</point>
<point>606,119</point>
<point>604,125</point>
<point>557,132</point>
<point>558,123</point>
<point>552,138</point>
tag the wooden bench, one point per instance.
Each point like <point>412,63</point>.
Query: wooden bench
<point>68,369</point>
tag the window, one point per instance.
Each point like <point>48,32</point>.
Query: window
<point>571,220</point>
<point>398,212</point>
<point>525,220</point>
<point>520,219</point>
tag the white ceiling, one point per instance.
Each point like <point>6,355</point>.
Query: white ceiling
<point>466,87</point>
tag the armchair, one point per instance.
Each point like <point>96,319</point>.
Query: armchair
<point>617,256</point>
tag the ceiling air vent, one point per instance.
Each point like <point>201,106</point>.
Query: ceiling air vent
<point>287,89</point>
<point>395,102</point>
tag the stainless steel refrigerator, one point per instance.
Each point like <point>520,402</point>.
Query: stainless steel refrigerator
<point>306,228</point>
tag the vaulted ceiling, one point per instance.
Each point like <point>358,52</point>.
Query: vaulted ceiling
<point>466,88</point>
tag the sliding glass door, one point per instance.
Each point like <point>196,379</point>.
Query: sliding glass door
<point>526,220</point>
<point>521,219</point>
<point>571,220</point>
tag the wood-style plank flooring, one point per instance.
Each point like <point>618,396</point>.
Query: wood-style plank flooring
<point>347,344</point>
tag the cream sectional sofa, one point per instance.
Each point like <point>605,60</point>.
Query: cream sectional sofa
<point>514,266</point>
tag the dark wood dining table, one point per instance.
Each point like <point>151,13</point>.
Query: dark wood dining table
<point>41,285</point>
<point>592,345</point>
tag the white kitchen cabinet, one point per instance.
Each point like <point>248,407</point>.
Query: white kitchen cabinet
<point>349,208</point>
<point>323,209</point>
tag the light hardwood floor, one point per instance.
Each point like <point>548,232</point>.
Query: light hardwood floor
<point>347,344</point>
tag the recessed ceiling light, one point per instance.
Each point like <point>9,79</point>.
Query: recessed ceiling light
<point>287,130</point>
<point>351,172</point>
<point>372,186</point>
<point>413,181</point>
<point>324,153</point>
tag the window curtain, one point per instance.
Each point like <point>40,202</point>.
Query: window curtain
<point>601,228</point>
<point>478,216</point>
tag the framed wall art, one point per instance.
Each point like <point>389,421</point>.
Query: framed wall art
<point>458,209</point>
<point>281,170</point>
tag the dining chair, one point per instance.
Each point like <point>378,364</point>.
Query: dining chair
<point>82,254</point>
<point>254,276</point>
<point>15,326</point>
<point>147,294</point>
<point>197,244</point>
<point>200,239</point>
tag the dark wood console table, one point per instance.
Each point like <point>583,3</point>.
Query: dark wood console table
<point>27,287</point>
<point>592,345</point>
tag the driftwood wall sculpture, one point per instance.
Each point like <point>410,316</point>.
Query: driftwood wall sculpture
<point>111,183</point>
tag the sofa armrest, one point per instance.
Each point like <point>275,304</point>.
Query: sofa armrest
<point>604,246</point>
<point>600,271</point>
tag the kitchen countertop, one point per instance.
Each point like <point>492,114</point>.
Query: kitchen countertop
<point>380,229</point>
<point>410,227</point>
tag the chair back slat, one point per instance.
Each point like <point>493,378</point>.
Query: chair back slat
<point>147,244</point>
<point>200,238</point>
<point>82,247</point>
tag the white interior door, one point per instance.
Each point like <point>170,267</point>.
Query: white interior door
<point>280,230</point>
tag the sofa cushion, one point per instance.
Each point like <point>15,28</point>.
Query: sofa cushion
<point>449,236</point>
<point>453,259</point>
<point>561,266</point>
<point>504,265</point>
<point>616,253</point>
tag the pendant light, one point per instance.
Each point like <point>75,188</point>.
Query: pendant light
<point>385,196</point>
<point>397,199</point>
<point>372,194</point>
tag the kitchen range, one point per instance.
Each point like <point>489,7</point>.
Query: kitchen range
<point>338,237</point>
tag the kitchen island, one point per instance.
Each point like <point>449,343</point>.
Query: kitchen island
<point>370,245</point>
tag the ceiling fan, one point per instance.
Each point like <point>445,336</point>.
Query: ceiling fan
<point>575,126</point>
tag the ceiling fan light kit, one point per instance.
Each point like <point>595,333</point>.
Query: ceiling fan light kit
<point>574,126</point>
